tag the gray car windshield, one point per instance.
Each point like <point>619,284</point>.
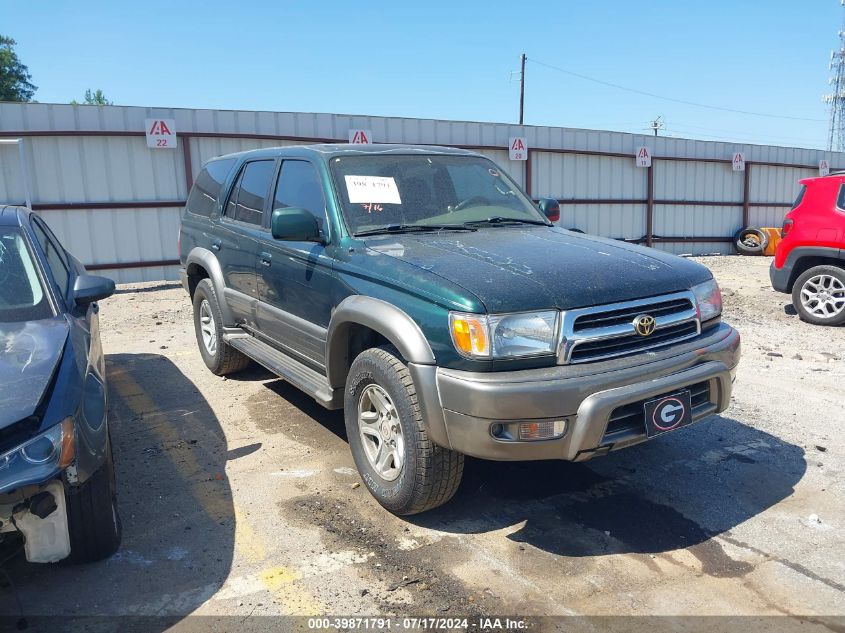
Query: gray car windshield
<point>22,297</point>
<point>395,192</point>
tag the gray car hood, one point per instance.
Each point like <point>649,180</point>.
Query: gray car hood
<point>29,354</point>
<point>516,268</point>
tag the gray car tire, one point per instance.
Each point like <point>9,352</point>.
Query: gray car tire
<point>93,521</point>
<point>430,474</point>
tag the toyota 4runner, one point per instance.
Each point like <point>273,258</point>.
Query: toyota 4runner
<point>421,291</point>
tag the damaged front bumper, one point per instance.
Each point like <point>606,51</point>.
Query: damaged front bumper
<point>39,513</point>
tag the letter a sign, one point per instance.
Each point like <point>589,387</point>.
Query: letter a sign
<point>643,157</point>
<point>161,133</point>
<point>517,148</point>
<point>738,161</point>
<point>824,167</point>
<point>361,137</point>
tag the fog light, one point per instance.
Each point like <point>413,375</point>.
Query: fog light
<point>497,430</point>
<point>543,430</point>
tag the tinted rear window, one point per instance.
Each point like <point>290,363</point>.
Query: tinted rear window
<point>800,196</point>
<point>206,190</point>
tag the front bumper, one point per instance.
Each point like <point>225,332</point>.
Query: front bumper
<point>459,408</point>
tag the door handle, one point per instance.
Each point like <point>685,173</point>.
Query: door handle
<point>215,245</point>
<point>266,259</point>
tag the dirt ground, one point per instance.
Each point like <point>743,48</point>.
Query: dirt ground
<point>239,496</point>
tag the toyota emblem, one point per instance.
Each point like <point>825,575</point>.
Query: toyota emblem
<point>644,324</point>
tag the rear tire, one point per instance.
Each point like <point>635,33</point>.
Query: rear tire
<point>218,356</point>
<point>819,295</point>
<point>419,475</point>
<point>93,521</point>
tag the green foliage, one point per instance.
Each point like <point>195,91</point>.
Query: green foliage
<point>94,98</point>
<point>15,84</point>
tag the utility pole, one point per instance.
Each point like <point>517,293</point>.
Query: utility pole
<point>522,88</point>
<point>657,124</point>
<point>836,99</point>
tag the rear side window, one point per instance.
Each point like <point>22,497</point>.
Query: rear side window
<point>248,197</point>
<point>300,187</point>
<point>206,189</point>
<point>840,200</point>
<point>800,196</point>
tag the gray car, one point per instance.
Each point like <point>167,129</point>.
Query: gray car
<point>57,484</point>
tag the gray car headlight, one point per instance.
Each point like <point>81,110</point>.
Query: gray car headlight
<point>39,458</point>
<point>708,298</point>
<point>504,335</point>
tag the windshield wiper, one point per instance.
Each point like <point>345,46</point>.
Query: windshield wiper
<point>501,220</point>
<point>414,228</point>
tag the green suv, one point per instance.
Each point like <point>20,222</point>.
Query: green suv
<point>420,290</point>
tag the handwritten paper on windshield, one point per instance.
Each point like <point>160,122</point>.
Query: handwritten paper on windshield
<point>377,189</point>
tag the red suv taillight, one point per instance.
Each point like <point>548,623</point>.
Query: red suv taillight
<point>787,227</point>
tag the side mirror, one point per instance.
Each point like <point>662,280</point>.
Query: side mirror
<point>294,224</point>
<point>90,288</point>
<point>550,208</point>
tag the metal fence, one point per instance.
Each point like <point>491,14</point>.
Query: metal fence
<point>115,202</point>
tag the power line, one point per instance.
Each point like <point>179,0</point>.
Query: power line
<point>673,100</point>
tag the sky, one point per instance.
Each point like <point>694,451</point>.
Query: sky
<point>451,60</point>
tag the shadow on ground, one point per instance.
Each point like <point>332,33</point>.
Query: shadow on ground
<point>674,492</point>
<point>174,500</point>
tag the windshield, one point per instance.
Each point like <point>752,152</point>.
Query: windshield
<point>22,297</point>
<point>381,191</point>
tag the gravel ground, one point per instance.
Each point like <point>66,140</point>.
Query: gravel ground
<point>239,496</point>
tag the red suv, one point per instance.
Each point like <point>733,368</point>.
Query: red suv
<point>810,261</point>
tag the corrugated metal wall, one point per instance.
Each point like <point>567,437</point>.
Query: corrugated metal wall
<point>114,202</point>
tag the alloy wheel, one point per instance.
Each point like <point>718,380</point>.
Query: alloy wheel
<point>381,432</point>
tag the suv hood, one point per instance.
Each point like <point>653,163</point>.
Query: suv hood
<point>29,354</point>
<point>526,268</point>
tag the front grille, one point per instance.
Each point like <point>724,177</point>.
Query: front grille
<point>627,315</point>
<point>607,331</point>
<point>631,417</point>
<point>631,343</point>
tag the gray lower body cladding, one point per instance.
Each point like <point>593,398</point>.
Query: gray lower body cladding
<point>461,407</point>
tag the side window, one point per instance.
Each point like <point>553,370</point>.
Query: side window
<point>206,189</point>
<point>299,186</point>
<point>800,196</point>
<point>840,201</point>
<point>246,203</point>
<point>55,256</point>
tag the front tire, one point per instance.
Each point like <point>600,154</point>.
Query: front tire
<point>218,356</point>
<point>93,521</point>
<point>819,295</point>
<point>403,469</point>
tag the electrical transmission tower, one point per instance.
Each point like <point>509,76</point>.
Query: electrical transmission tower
<point>836,98</point>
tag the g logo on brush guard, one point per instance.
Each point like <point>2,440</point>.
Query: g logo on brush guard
<point>668,414</point>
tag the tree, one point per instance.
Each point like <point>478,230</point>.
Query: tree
<point>94,98</point>
<point>15,84</point>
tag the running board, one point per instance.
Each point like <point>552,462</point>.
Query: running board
<point>299,375</point>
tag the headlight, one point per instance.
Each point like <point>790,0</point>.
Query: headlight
<point>39,458</point>
<point>709,299</point>
<point>504,335</point>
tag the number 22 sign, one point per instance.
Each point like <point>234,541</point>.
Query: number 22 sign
<point>161,133</point>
